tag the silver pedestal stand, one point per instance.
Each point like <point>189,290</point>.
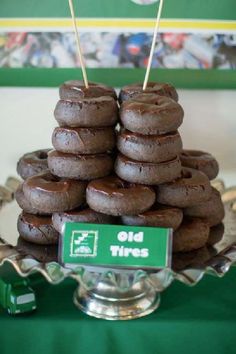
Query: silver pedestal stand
<point>106,301</point>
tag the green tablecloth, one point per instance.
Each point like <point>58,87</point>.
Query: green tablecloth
<point>201,320</point>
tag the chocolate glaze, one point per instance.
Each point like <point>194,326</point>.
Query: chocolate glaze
<point>112,196</point>
<point>83,140</point>
<point>86,215</point>
<point>81,167</point>
<point>201,161</point>
<point>37,229</point>
<point>151,148</point>
<point>24,203</point>
<point>36,221</point>
<point>151,114</point>
<point>88,112</point>
<point>147,172</point>
<point>157,216</point>
<point>212,210</point>
<point>192,234</point>
<point>162,89</point>
<point>49,183</point>
<point>75,89</point>
<point>50,194</point>
<point>192,188</point>
<point>32,163</point>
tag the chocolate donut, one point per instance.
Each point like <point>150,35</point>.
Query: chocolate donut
<point>153,148</point>
<point>50,194</point>
<point>192,234</point>
<point>89,112</point>
<point>147,172</point>
<point>32,163</point>
<point>151,114</point>
<point>80,216</point>
<point>37,229</point>
<point>157,216</point>
<point>201,161</point>
<point>75,89</point>
<point>24,203</point>
<point>216,234</point>
<point>42,253</point>
<point>212,210</point>
<point>157,88</point>
<point>191,189</point>
<point>82,167</point>
<point>83,140</point>
<point>112,196</point>
<point>192,259</point>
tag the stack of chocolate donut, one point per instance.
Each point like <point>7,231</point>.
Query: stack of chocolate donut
<point>154,182</point>
<point>85,137</point>
<point>53,191</point>
<point>151,159</point>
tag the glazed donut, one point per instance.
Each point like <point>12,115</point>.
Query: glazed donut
<point>24,203</point>
<point>32,163</point>
<point>50,194</point>
<point>153,148</point>
<point>157,216</point>
<point>42,253</point>
<point>201,161</point>
<point>90,112</point>
<point>147,172</point>
<point>212,210</point>
<point>112,196</point>
<point>37,229</point>
<point>83,140</point>
<point>75,89</point>
<point>82,167</point>
<point>80,216</point>
<point>192,234</point>
<point>161,89</point>
<point>151,114</point>
<point>191,189</point>
<point>192,259</point>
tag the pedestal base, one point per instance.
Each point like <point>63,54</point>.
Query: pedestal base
<point>108,303</point>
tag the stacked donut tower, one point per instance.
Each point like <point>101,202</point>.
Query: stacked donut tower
<point>133,173</point>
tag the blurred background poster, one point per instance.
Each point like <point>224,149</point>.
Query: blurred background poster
<point>197,42</point>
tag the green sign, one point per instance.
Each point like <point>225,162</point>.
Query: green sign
<point>116,245</point>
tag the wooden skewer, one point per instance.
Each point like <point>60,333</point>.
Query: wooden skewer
<point>153,45</point>
<point>77,38</point>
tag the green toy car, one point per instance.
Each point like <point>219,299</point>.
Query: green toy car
<point>15,293</point>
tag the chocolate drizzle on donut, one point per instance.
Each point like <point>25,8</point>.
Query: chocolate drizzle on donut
<point>75,89</point>
<point>150,114</point>
<point>161,89</point>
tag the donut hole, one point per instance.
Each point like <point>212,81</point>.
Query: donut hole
<point>186,174</point>
<point>51,178</point>
<point>42,155</point>
<point>192,153</point>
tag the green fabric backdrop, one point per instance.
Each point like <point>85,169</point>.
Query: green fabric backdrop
<point>204,9</point>
<point>194,320</point>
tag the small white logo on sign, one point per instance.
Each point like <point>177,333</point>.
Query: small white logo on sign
<point>84,244</point>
